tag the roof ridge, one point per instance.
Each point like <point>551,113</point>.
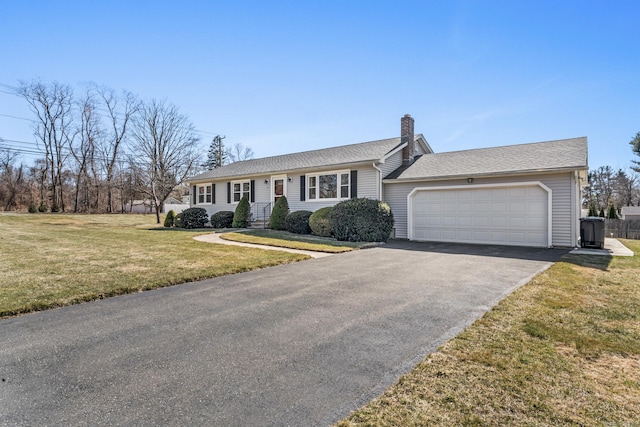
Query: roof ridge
<point>497,147</point>
<point>320,149</point>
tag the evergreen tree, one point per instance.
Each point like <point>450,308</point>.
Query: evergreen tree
<point>635,147</point>
<point>613,212</point>
<point>279,214</point>
<point>242,215</point>
<point>217,155</point>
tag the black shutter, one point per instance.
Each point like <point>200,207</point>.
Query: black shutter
<point>228,192</point>
<point>213,194</point>
<point>303,190</point>
<point>354,184</point>
<point>252,190</point>
<point>194,195</point>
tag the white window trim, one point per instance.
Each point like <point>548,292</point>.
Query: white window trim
<point>243,181</point>
<point>317,175</point>
<point>205,186</point>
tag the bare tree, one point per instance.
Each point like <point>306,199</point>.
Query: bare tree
<point>12,180</point>
<point>163,150</point>
<point>238,152</point>
<point>626,188</point>
<point>39,173</point>
<point>121,110</point>
<point>84,152</point>
<point>52,106</point>
<point>602,186</point>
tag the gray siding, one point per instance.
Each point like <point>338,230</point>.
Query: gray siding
<point>262,195</point>
<point>420,150</point>
<point>391,163</point>
<point>367,187</point>
<point>563,217</point>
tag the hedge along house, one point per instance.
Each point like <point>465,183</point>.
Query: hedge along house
<point>523,195</point>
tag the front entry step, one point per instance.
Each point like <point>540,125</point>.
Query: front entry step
<point>259,223</point>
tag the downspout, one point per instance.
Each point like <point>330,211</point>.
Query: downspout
<point>577,208</point>
<point>577,185</point>
<point>379,181</point>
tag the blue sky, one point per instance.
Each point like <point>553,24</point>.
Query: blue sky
<point>287,76</point>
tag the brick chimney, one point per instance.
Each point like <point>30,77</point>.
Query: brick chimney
<point>406,135</point>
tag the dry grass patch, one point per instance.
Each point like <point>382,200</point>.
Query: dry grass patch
<point>56,260</point>
<point>563,350</point>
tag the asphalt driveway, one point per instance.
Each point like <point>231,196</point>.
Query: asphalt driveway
<point>301,344</point>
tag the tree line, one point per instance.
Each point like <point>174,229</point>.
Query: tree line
<point>101,150</point>
<point>610,190</point>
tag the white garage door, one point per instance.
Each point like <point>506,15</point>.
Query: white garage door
<point>504,215</point>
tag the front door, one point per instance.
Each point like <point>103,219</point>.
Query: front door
<point>278,188</point>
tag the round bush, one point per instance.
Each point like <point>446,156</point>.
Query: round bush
<point>222,219</point>
<point>298,222</point>
<point>33,208</point>
<point>320,222</point>
<point>362,220</point>
<point>279,214</point>
<point>241,217</point>
<point>43,207</point>
<point>169,219</point>
<point>193,218</point>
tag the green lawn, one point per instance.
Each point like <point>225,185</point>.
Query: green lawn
<point>284,239</point>
<point>51,260</point>
<point>563,350</point>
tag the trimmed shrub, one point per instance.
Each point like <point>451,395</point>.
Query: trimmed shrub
<point>222,219</point>
<point>177,221</point>
<point>169,219</point>
<point>362,220</point>
<point>55,208</point>
<point>43,207</point>
<point>241,217</point>
<point>320,222</point>
<point>33,208</point>
<point>193,218</point>
<point>279,214</point>
<point>613,212</point>
<point>298,222</point>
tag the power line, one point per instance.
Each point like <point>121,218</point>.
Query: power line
<point>18,118</point>
<point>33,148</point>
<point>15,93</point>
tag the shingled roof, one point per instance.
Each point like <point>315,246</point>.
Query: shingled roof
<point>565,154</point>
<point>326,157</point>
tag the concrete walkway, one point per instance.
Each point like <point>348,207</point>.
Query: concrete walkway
<point>215,238</point>
<point>612,247</point>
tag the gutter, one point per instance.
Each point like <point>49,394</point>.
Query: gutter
<point>483,175</point>
<point>331,167</point>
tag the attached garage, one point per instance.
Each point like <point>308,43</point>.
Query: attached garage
<point>517,214</point>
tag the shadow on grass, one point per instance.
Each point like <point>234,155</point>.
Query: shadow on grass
<point>601,262</point>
